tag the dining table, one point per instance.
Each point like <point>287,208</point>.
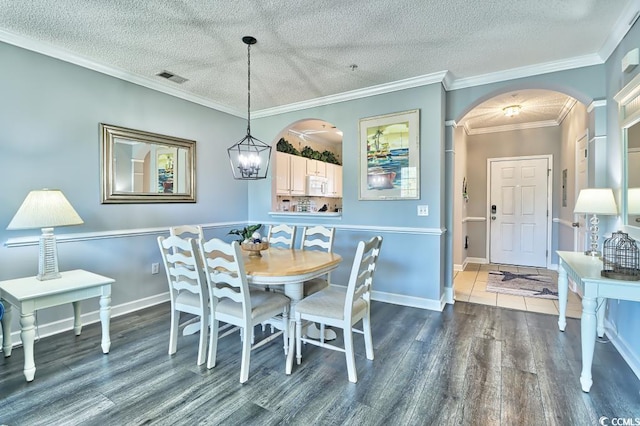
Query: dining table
<point>289,268</point>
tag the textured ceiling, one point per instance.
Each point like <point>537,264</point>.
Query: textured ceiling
<point>305,49</point>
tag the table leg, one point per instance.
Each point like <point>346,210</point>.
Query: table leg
<point>295,292</point>
<point>6,330</point>
<point>27,334</point>
<point>77,321</point>
<point>563,290</point>
<point>602,306</point>
<point>588,336</point>
<point>105,315</point>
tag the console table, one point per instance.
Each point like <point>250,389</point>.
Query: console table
<point>585,272</point>
<point>30,294</point>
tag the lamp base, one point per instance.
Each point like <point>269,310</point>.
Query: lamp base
<point>47,256</point>
<point>593,253</point>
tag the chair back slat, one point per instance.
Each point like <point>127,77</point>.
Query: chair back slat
<point>362,271</point>
<point>187,231</point>
<point>182,266</point>
<point>317,238</point>
<point>225,273</point>
<point>281,236</point>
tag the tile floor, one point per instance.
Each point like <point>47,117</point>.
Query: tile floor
<point>470,286</point>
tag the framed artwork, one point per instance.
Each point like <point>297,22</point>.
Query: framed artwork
<point>390,157</point>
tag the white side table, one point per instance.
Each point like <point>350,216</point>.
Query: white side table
<point>30,294</point>
<point>585,272</point>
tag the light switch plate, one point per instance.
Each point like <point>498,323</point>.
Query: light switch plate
<point>423,210</point>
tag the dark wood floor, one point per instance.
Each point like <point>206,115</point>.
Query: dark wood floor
<point>470,364</point>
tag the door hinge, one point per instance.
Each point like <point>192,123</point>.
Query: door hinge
<point>585,153</point>
<point>548,172</point>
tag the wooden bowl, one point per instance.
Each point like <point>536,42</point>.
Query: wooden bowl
<point>254,249</point>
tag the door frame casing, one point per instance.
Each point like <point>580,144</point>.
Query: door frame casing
<point>549,158</point>
<point>576,216</point>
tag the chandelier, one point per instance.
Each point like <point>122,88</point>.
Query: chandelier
<point>250,156</point>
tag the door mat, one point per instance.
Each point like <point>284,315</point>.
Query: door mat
<point>528,285</point>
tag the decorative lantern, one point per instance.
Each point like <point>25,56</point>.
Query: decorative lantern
<point>620,258</point>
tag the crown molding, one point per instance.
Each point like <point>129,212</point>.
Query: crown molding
<point>596,104</point>
<point>566,108</point>
<point>73,58</point>
<point>528,71</point>
<point>510,127</point>
<point>451,123</point>
<point>624,23</point>
<point>379,89</point>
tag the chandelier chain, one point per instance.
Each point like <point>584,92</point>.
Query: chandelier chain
<point>248,89</point>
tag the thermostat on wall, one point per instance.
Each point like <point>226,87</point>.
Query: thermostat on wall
<point>630,60</point>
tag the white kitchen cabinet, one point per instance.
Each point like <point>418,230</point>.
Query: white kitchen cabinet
<point>283,173</point>
<point>334,176</point>
<point>316,168</point>
<point>298,175</point>
<point>290,174</point>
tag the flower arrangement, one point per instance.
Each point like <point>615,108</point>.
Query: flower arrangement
<point>248,234</point>
<point>250,239</point>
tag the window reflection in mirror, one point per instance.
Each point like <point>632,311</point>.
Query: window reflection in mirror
<point>307,172</point>
<point>143,167</point>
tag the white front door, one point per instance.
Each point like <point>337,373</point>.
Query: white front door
<point>518,211</point>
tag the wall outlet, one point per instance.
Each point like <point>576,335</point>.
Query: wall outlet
<point>155,268</point>
<point>423,210</point>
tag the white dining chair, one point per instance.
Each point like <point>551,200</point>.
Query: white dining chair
<point>187,288</point>
<point>343,307</point>
<point>282,235</point>
<point>317,238</point>
<point>232,302</point>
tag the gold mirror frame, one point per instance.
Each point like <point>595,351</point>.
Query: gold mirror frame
<point>143,167</point>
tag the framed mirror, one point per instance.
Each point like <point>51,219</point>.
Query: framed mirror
<point>144,167</point>
<point>629,106</point>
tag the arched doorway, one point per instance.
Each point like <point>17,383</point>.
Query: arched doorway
<point>529,132</point>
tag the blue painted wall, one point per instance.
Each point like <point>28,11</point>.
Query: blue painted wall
<point>412,260</point>
<point>49,116</point>
<point>625,316</point>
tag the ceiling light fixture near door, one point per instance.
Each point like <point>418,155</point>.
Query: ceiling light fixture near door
<point>250,156</point>
<point>511,110</point>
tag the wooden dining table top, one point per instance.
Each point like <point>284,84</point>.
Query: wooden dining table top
<point>294,263</point>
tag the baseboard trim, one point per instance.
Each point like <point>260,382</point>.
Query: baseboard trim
<point>66,325</point>
<point>410,301</point>
<point>480,260</point>
<point>623,348</point>
<point>449,296</point>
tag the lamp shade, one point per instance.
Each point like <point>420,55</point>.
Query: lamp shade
<point>633,201</point>
<point>44,208</point>
<point>596,201</point>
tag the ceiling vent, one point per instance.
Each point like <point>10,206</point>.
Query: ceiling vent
<point>171,76</point>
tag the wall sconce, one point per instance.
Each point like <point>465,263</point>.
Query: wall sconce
<point>595,201</point>
<point>45,209</point>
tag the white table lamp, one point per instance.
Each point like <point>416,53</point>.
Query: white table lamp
<point>595,201</point>
<point>45,208</point>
